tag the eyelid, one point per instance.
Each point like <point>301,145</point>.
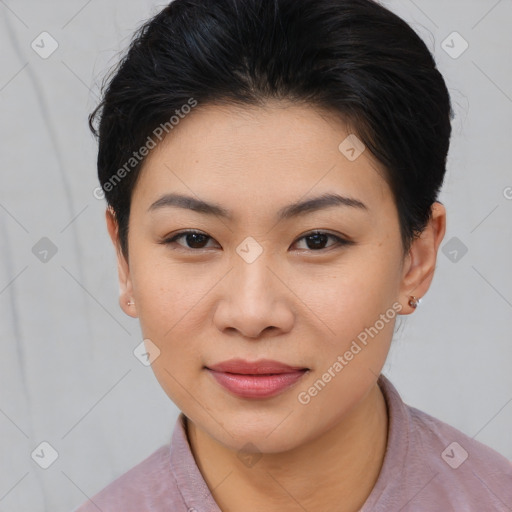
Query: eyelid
<point>341,240</point>
<point>167,240</point>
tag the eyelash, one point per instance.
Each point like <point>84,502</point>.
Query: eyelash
<point>339,241</point>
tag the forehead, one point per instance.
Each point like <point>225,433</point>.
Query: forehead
<point>260,155</point>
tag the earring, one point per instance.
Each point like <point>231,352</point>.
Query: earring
<point>414,302</point>
<point>130,303</point>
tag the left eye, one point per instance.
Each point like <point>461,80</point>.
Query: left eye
<point>315,240</point>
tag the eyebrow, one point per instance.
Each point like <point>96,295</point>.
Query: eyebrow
<point>293,210</point>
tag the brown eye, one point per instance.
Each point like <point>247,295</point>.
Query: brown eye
<point>317,240</point>
<point>193,239</point>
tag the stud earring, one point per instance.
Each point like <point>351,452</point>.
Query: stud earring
<point>130,303</point>
<point>414,302</point>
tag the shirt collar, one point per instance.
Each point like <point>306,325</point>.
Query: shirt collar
<point>389,480</point>
<point>191,484</point>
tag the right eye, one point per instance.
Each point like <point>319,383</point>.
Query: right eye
<point>194,239</point>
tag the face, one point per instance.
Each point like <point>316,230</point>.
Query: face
<point>317,288</point>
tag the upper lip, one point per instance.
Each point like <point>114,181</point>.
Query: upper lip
<point>259,367</point>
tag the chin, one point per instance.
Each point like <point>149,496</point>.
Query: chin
<point>257,432</point>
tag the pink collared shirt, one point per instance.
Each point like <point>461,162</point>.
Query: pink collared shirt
<point>429,466</point>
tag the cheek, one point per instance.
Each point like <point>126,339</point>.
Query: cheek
<point>167,297</point>
<point>358,319</point>
<point>166,291</point>
<point>340,298</point>
<point>355,292</point>
<point>357,305</point>
<point>172,308</point>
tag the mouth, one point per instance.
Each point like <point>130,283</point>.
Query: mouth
<point>258,379</point>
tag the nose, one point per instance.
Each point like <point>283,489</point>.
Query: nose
<point>255,301</point>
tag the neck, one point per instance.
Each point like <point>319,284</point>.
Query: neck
<point>334,471</point>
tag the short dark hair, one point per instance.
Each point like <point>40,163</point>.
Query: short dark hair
<point>354,58</point>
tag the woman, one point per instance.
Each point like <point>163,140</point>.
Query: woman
<point>272,169</point>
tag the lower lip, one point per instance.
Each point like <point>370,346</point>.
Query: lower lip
<point>256,386</point>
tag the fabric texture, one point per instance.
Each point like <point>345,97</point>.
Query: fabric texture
<point>429,466</point>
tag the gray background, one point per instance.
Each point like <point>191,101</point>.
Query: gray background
<point>68,375</point>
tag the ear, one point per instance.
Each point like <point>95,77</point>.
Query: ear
<point>123,269</point>
<point>420,262</point>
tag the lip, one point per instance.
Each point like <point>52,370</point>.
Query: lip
<point>261,366</point>
<point>258,379</point>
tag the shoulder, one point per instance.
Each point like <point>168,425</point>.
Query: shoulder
<point>168,479</point>
<point>433,464</point>
<point>149,486</point>
<point>462,465</point>
<point>430,465</point>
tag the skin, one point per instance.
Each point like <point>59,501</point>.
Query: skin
<point>295,303</point>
